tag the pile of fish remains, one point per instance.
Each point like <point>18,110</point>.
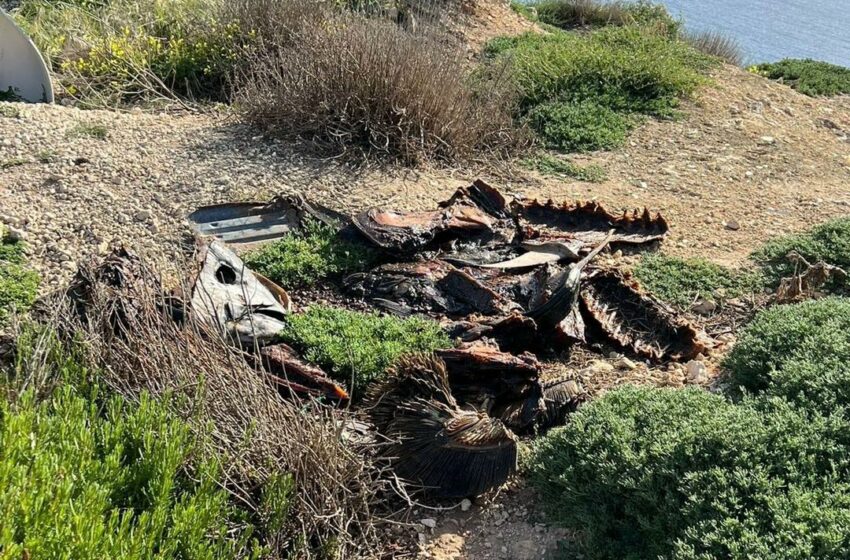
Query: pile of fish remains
<point>508,279</point>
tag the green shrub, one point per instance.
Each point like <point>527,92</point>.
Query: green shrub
<point>302,259</point>
<point>686,475</point>
<point>18,284</point>
<point>579,90</point>
<point>78,480</point>
<point>578,127</point>
<point>683,281</point>
<point>828,242</point>
<point>10,251</point>
<point>523,9</point>
<point>569,14</point>
<point>808,76</point>
<point>359,346</point>
<point>795,351</point>
<point>18,289</point>
<point>120,51</point>
<point>552,165</point>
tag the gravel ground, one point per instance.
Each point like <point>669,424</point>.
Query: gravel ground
<point>74,194</point>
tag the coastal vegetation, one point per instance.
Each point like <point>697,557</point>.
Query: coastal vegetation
<point>313,255</point>
<point>811,77</point>
<point>18,283</point>
<point>161,441</point>
<point>402,92</point>
<point>646,472</point>
<point>585,91</point>
<point>828,242</point>
<point>358,347</point>
<point>682,282</point>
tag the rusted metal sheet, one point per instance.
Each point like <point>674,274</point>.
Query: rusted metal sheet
<point>250,224</point>
<point>289,372</point>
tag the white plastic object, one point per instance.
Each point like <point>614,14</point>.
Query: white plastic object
<point>22,67</point>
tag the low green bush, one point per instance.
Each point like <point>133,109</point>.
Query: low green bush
<point>579,91</point>
<point>359,346</point>
<point>552,165</point>
<point>811,77</point>
<point>798,351</point>
<point>525,10</point>
<point>18,289</point>
<point>681,282</point>
<point>88,481</point>
<point>579,127</point>
<point>569,14</point>
<point>301,259</point>
<point>684,474</point>
<point>10,251</point>
<point>18,284</point>
<point>828,242</point>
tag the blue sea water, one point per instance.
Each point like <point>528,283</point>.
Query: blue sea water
<point>769,30</point>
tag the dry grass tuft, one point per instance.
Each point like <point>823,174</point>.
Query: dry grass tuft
<point>349,84</point>
<point>716,44</point>
<point>137,347</point>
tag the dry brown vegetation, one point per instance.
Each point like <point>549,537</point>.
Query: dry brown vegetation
<point>716,44</point>
<point>339,496</point>
<point>351,84</point>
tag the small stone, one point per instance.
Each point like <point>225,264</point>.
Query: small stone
<point>429,522</point>
<point>626,363</point>
<point>598,366</point>
<point>142,215</point>
<point>767,141</point>
<point>732,225</point>
<point>704,307</point>
<point>15,234</point>
<point>465,504</point>
<point>696,371</point>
